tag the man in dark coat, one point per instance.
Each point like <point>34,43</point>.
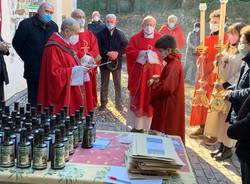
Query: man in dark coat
<point>29,40</point>
<point>112,44</point>
<point>240,131</point>
<point>96,25</point>
<point>4,50</point>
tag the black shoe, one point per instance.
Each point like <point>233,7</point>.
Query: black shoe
<point>225,154</point>
<point>217,151</point>
<point>137,131</point>
<point>102,108</point>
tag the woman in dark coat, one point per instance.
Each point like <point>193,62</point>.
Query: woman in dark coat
<point>4,50</point>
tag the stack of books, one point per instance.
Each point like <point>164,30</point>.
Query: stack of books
<point>152,156</point>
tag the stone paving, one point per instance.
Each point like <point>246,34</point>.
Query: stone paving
<point>205,168</point>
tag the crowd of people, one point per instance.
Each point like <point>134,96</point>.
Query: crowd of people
<point>60,68</point>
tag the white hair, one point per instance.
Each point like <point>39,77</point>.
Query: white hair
<point>43,5</point>
<point>172,17</point>
<point>111,16</point>
<point>149,17</point>
<point>96,12</point>
<point>74,13</point>
<point>69,23</point>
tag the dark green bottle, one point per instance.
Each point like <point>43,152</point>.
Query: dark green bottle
<point>79,125</point>
<point>40,158</point>
<point>28,107</point>
<point>92,122</point>
<point>65,141</point>
<point>88,134</point>
<point>58,152</point>
<point>48,140</point>
<point>24,151</point>
<point>74,130</point>
<point>70,136</point>
<point>16,106</point>
<point>7,150</point>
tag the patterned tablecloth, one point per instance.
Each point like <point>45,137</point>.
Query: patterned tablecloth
<point>91,166</point>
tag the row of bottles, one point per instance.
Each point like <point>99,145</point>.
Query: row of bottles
<point>30,137</point>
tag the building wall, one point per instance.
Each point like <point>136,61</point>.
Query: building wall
<point>13,11</point>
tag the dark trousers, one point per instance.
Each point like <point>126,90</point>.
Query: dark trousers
<point>245,172</point>
<point>1,90</point>
<point>32,92</point>
<point>105,74</point>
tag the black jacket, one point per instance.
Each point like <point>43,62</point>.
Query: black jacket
<point>3,70</point>
<point>241,90</point>
<point>115,42</point>
<point>29,40</point>
<point>240,131</point>
<point>96,27</point>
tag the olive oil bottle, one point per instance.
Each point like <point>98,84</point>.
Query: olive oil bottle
<point>24,151</point>
<point>58,152</point>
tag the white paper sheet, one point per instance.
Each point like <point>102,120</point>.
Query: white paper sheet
<point>77,77</point>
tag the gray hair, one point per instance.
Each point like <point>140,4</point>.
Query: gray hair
<point>74,13</point>
<point>173,17</point>
<point>111,16</point>
<point>69,23</point>
<point>43,5</point>
<point>147,18</point>
<point>96,12</point>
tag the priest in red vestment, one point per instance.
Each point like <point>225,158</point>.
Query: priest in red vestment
<point>143,61</point>
<point>199,113</point>
<point>174,29</point>
<point>87,48</point>
<point>60,65</point>
<point>167,92</point>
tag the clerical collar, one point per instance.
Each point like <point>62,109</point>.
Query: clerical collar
<point>149,35</point>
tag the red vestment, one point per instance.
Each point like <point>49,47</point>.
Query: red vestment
<point>177,32</point>
<point>138,74</point>
<point>199,113</point>
<point>168,100</point>
<point>88,45</point>
<point>55,78</point>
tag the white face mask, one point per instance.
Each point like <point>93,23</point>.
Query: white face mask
<point>214,27</point>
<point>196,29</point>
<point>96,18</point>
<point>81,22</point>
<point>242,49</point>
<point>73,39</point>
<point>148,30</point>
<point>163,53</point>
<point>171,25</point>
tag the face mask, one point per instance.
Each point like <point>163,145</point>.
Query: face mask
<point>96,18</point>
<point>110,26</point>
<point>171,25</point>
<point>196,29</point>
<point>242,49</point>
<point>73,39</point>
<point>81,22</point>
<point>148,30</point>
<point>233,39</point>
<point>214,27</point>
<point>46,17</point>
<point>164,53</point>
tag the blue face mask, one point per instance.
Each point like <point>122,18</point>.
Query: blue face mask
<point>110,26</point>
<point>46,17</point>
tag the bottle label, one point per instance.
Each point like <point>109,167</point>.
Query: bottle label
<point>71,143</point>
<point>40,158</point>
<point>76,141</point>
<point>59,158</point>
<point>24,156</point>
<point>66,147</point>
<point>48,148</point>
<point>80,132</point>
<point>7,155</point>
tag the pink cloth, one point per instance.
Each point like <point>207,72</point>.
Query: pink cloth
<point>114,153</point>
